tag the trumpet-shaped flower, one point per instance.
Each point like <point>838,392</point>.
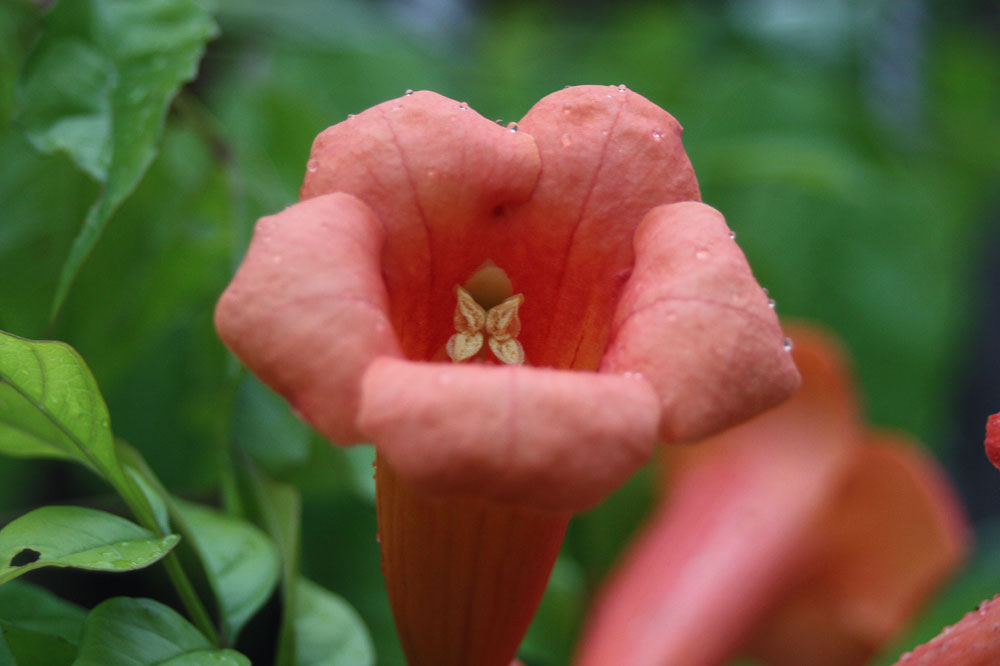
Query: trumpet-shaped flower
<point>514,315</point>
<point>801,538</point>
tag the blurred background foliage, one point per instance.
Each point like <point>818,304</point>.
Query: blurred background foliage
<point>854,146</point>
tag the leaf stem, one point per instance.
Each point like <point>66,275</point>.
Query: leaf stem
<point>139,506</point>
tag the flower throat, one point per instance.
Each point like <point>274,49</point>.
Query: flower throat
<point>487,310</point>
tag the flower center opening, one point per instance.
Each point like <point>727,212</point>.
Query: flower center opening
<point>487,310</point>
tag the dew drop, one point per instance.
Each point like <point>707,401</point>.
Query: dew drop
<point>788,344</point>
<point>567,87</point>
<point>566,140</point>
<point>397,107</point>
<point>512,127</point>
<point>567,108</point>
<point>771,303</point>
<point>409,91</point>
<point>701,254</point>
<point>350,116</point>
<point>312,165</point>
<point>463,106</point>
<point>732,235</point>
<point>621,87</point>
<point>657,134</point>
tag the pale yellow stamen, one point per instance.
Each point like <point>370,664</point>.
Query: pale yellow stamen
<point>500,323</point>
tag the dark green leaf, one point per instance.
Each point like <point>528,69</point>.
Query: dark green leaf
<point>328,631</point>
<point>35,608</point>
<point>551,636</point>
<point>241,562</point>
<point>97,86</point>
<point>267,429</point>
<point>34,648</point>
<point>277,508</point>
<point>6,658</point>
<point>142,632</point>
<point>71,536</point>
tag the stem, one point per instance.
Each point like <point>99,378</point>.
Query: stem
<point>140,508</point>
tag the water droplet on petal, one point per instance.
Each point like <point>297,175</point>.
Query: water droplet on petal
<point>566,140</point>
<point>732,235</point>
<point>621,87</point>
<point>312,165</point>
<point>512,127</point>
<point>788,344</point>
<point>657,134</point>
<point>771,303</point>
<point>463,106</point>
<point>409,91</point>
<point>701,254</point>
<point>499,121</point>
<point>350,116</point>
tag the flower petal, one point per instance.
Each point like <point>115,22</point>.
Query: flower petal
<point>694,322</point>
<point>438,175</point>
<point>993,439</point>
<point>972,641</point>
<point>892,534</point>
<point>551,439</point>
<point>609,155</point>
<point>307,310</point>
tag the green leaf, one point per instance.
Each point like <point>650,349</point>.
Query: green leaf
<point>328,631</point>
<point>31,607</point>
<point>34,648</point>
<point>277,508</point>
<point>72,536</point>
<point>40,628</point>
<point>552,633</point>
<point>141,632</point>
<point>241,562</point>
<point>98,84</point>
<point>50,405</point>
<point>267,429</point>
<point>208,658</point>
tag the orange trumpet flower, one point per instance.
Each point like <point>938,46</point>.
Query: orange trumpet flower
<point>802,538</point>
<point>515,316</point>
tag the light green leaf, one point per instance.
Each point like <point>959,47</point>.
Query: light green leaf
<point>50,405</point>
<point>31,607</point>
<point>208,658</point>
<point>98,84</point>
<point>71,536</point>
<point>328,631</point>
<point>141,632</point>
<point>241,562</point>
